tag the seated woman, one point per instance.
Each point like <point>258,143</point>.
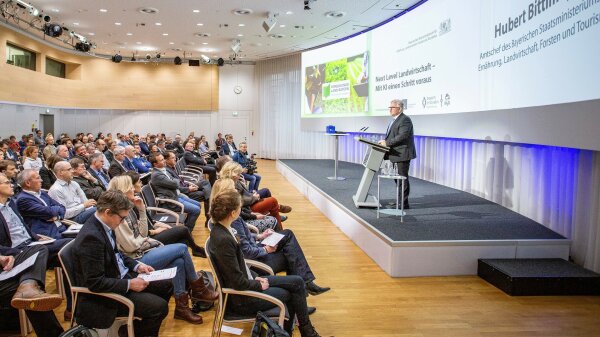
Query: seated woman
<point>133,240</point>
<point>233,170</point>
<point>229,263</point>
<point>32,159</point>
<point>46,173</point>
<point>286,256</point>
<point>163,232</point>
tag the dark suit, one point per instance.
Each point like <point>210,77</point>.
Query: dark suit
<point>6,240</point>
<point>166,187</point>
<point>116,169</point>
<point>48,177</point>
<point>36,214</point>
<point>400,139</point>
<point>128,165</point>
<point>201,195</point>
<point>226,150</point>
<point>109,156</point>
<point>91,190</point>
<point>192,158</point>
<point>96,175</point>
<point>96,268</point>
<point>144,148</point>
<point>44,323</point>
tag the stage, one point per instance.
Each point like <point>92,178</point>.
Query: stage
<point>444,232</point>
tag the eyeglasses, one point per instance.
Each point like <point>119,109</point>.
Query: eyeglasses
<point>5,182</point>
<point>394,107</point>
<point>119,215</point>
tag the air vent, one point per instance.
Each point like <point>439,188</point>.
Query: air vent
<point>148,10</point>
<point>335,14</point>
<point>276,36</point>
<point>242,11</point>
<point>202,34</point>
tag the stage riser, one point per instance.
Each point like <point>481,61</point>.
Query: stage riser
<point>539,285</point>
<point>420,258</point>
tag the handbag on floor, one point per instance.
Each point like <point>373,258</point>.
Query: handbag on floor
<point>265,327</point>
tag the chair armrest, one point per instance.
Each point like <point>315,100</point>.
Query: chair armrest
<point>164,210</point>
<point>262,296</point>
<point>259,265</point>
<point>116,297</point>
<point>176,203</point>
<point>196,168</point>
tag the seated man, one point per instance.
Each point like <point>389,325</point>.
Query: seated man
<point>242,158</point>
<point>229,146</point>
<point>26,289</point>
<point>9,168</point>
<point>101,267</point>
<point>81,153</point>
<point>63,152</point>
<point>67,192</point>
<point>141,164</point>
<point>90,185</point>
<point>117,166</point>
<point>100,148</point>
<point>97,170</point>
<point>144,149</point>
<point>128,160</point>
<point>193,158</point>
<point>40,212</point>
<point>50,148</point>
<point>167,187</point>
<point>9,153</point>
<point>286,256</point>
<point>199,192</point>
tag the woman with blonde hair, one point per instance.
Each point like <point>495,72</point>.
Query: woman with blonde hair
<point>233,170</point>
<point>133,240</point>
<point>32,159</point>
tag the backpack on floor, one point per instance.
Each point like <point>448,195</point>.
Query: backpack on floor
<point>265,327</point>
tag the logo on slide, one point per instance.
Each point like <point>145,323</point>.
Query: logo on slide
<point>424,102</point>
<point>445,27</point>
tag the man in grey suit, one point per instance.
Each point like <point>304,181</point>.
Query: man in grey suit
<point>400,139</point>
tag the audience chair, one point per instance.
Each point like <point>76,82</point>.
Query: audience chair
<point>158,213</point>
<point>67,260</point>
<point>220,311</point>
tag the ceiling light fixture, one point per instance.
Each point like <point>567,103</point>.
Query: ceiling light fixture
<point>236,44</point>
<point>270,21</point>
<point>29,7</point>
<point>103,10</point>
<point>307,4</point>
<point>53,29</point>
<point>117,23</point>
<point>196,11</point>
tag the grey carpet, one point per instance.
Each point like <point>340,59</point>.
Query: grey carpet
<point>437,213</point>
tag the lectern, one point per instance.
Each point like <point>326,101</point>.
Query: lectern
<point>371,162</point>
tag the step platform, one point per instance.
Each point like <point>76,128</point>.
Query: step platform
<point>539,277</point>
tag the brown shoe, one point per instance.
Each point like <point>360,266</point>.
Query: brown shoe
<point>199,291</point>
<point>29,296</point>
<point>183,311</point>
<point>285,208</point>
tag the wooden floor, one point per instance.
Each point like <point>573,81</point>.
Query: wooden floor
<point>364,301</point>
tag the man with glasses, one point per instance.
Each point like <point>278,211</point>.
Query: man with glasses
<point>102,268</point>
<point>399,138</point>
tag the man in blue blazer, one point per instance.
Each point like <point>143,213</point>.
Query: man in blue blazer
<point>41,213</point>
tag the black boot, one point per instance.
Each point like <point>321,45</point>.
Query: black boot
<point>313,289</point>
<point>198,251</point>
<point>307,330</point>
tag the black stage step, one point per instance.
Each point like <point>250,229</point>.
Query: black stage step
<point>539,277</point>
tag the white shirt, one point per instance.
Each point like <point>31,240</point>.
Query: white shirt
<point>69,195</point>
<point>35,164</point>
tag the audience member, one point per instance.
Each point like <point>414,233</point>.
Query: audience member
<point>9,153</point>
<point>242,158</point>
<point>168,188</point>
<point>26,288</point>
<point>219,142</point>
<point>229,146</point>
<point>63,152</point>
<point>38,140</point>
<point>128,160</point>
<point>9,168</point>
<point>97,169</point>
<point>67,192</point>
<point>141,164</point>
<point>229,262</point>
<point>81,153</point>
<point>144,146</point>
<point>90,185</point>
<point>46,172</point>
<point>133,240</point>
<point>101,267</point>
<point>49,149</point>
<point>193,158</point>
<point>117,166</point>
<point>32,159</point>
<point>101,148</point>
<point>111,145</point>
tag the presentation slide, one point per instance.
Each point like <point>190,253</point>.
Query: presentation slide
<point>458,57</point>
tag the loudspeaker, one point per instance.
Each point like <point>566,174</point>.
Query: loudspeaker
<point>194,63</point>
<point>220,62</point>
<point>177,60</point>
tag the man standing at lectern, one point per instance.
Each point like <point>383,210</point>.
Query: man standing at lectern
<point>399,138</point>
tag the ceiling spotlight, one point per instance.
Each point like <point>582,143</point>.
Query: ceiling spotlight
<point>236,44</point>
<point>79,37</point>
<point>148,56</point>
<point>270,21</point>
<point>157,55</point>
<point>220,62</point>
<point>205,59</point>
<point>117,58</point>
<point>177,60</point>
<point>83,47</point>
<point>307,4</point>
<point>53,29</point>
<point>47,18</point>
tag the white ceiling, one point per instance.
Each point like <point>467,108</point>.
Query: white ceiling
<point>302,29</point>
